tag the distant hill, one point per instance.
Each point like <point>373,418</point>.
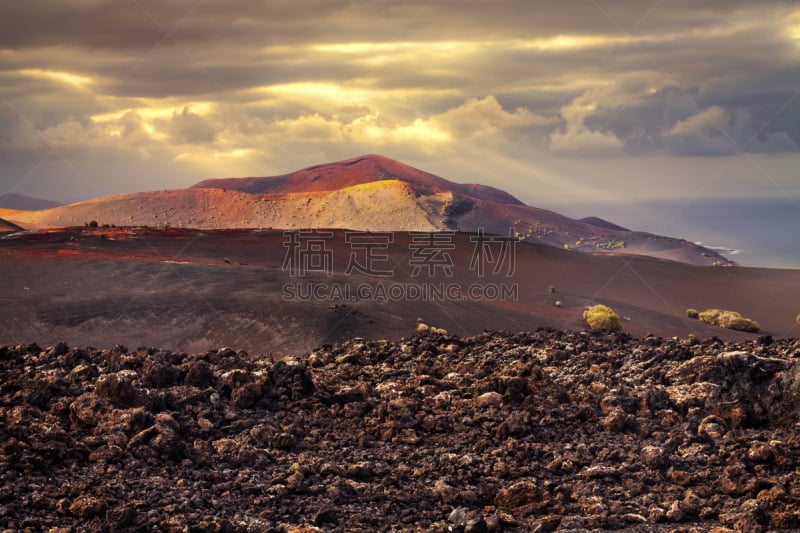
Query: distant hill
<point>372,193</point>
<point>25,203</point>
<point>605,224</point>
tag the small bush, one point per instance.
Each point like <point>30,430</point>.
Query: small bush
<point>551,288</point>
<point>425,328</point>
<point>92,224</point>
<point>743,324</point>
<point>729,320</point>
<point>602,318</point>
<point>692,313</point>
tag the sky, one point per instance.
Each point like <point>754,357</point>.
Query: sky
<point>575,106</point>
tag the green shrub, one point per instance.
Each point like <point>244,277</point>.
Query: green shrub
<point>741,323</point>
<point>602,318</point>
<point>729,320</point>
<point>692,313</point>
<point>551,288</point>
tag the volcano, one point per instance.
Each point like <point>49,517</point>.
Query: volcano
<point>372,193</point>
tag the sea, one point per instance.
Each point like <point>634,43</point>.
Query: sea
<point>763,232</point>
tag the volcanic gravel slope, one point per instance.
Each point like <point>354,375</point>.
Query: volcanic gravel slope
<point>539,431</point>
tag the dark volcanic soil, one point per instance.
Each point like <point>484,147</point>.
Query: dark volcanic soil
<point>190,291</point>
<point>542,431</point>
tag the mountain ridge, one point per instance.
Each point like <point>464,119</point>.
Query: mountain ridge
<point>367,193</point>
<point>602,223</point>
<point>26,203</point>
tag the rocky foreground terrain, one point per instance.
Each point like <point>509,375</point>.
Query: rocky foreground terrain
<point>500,432</point>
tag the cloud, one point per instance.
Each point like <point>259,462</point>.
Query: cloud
<point>312,128</point>
<point>133,130</point>
<point>583,140</point>
<point>475,117</point>
<point>187,127</point>
<point>139,26</point>
<point>715,132</point>
<point>75,134</point>
<point>644,113</point>
<point>484,116</point>
<point>712,121</point>
<point>578,135</point>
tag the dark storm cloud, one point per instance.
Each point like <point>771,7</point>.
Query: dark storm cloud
<point>138,24</point>
<point>225,46</point>
<point>142,24</point>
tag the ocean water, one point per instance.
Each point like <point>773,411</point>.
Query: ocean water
<point>763,232</point>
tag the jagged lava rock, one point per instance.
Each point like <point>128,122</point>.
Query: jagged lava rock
<point>538,431</point>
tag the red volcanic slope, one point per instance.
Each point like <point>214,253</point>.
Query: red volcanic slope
<point>6,226</point>
<point>470,207</point>
<point>357,171</point>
